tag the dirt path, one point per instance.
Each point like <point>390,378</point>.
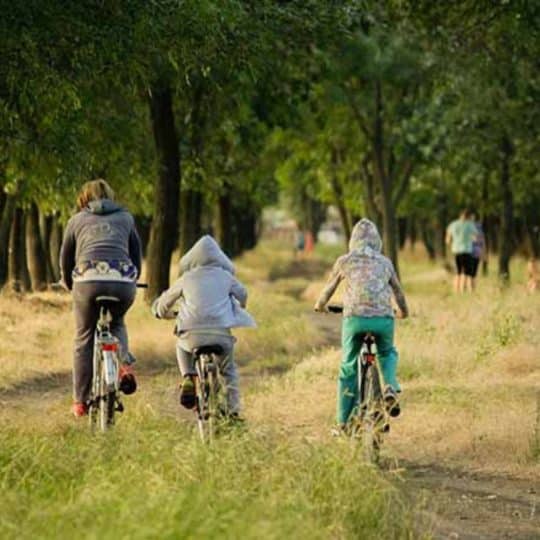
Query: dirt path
<point>462,503</point>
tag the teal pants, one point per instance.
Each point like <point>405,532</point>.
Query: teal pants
<point>351,340</point>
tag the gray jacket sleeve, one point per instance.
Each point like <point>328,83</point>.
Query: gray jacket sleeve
<point>67,256</point>
<point>162,306</point>
<point>239,292</point>
<point>135,249</point>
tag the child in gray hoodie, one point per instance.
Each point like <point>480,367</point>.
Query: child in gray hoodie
<point>207,301</point>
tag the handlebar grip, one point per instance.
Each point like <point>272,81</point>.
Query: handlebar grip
<point>334,308</point>
<point>141,285</point>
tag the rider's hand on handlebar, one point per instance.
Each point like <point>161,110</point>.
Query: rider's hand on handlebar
<point>399,314</point>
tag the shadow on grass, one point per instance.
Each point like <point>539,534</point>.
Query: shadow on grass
<point>148,365</point>
<point>37,385</point>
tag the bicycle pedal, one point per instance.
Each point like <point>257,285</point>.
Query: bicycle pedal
<point>119,407</point>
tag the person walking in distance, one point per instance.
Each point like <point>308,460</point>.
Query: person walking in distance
<point>478,249</point>
<point>460,235</point>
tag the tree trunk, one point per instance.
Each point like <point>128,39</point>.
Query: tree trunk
<point>37,263</point>
<point>507,212</point>
<point>403,225</point>
<point>390,231</point>
<point>164,227</point>
<point>385,182</point>
<point>19,277</point>
<point>442,223</point>
<point>55,243</point>
<point>191,207</point>
<point>339,198</point>
<point>224,232</point>
<point>5,228</point>
<point>412,232</point>
<point>45,228</point>
<point>245,224</point>
<point>485,224</point>
<point>428,240</point>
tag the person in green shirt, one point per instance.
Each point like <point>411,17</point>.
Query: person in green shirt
<point>460,235</point>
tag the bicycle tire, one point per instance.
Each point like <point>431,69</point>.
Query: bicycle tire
<point>202,399</point>
<point>107,402</point>
<point>212,403</point>
<point>370,404</point>
<point>93,409</point>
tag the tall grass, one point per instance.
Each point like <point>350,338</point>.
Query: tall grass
<point>151,478</point>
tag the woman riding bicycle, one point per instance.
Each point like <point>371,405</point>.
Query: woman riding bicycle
<point>100,256</point>
<point>370,280</point>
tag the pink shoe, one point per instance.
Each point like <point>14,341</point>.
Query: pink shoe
<point>79,409</point>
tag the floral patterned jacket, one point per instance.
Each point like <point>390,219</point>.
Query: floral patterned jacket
<point>369,276</point>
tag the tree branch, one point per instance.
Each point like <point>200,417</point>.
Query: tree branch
<point>404,180</point>
<point>359,117</point>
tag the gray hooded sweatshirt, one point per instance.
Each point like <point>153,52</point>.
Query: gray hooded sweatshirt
<point>370,277</point>
<point>207,295</point>
<point>100,244</point>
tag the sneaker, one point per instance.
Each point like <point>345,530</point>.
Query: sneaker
<point>188,395</point>
<point>339,430</point>
<point>236,419</point>
<point>79,409</point>
<point>392,402</point>
<point>128,383</point>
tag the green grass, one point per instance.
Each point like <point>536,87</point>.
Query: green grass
<point>151,478</point>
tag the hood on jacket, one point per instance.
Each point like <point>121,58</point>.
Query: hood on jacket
<point>205,252</point>
<point>102,207</point>
<point>365,238</point>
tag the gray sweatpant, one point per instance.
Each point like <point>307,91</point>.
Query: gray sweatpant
<point>226,366</point>
<point>86,316</point>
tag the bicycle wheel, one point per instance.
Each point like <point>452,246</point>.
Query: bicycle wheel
<point>370,410</point>
<point>213,410</point>
<point>107,402</point>
<point>93,409</point>
<point>202,399</point>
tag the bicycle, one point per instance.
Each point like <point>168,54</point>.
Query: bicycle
<point>211,406</point>
<point>370,418</point>
<point>104,400</point>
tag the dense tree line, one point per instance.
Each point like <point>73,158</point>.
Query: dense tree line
<point>200,113</point>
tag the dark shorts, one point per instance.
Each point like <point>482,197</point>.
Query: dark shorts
<point>464,264</point>
<point>474,266</point>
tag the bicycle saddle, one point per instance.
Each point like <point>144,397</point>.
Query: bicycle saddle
<point>209,349</point>
<point>105,299</point>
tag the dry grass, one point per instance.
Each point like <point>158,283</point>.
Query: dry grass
<point>470,370</point>
<point>469,365</point>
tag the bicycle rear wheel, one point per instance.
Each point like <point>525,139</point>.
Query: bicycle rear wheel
<point>107,402</point>
<point>202,399</point>
<point>94,405</point>
<point>371,413</point>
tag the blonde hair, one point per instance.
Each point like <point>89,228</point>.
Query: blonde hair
<point>93,191</point>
